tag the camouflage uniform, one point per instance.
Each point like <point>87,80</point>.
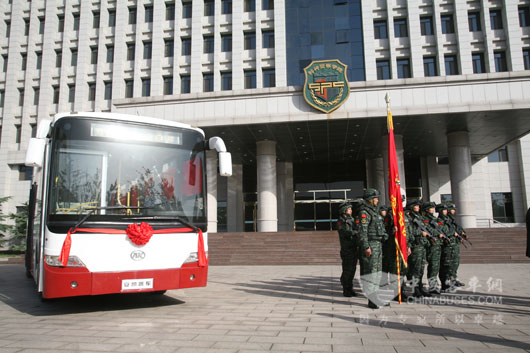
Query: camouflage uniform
<point>372,233</point>
<point>349,249</point>
<point>455,262</point>
<point>434,251</point>
<point>446,260</point>
<point>418,243</point>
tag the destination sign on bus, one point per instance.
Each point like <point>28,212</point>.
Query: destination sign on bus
<point>129,133</point>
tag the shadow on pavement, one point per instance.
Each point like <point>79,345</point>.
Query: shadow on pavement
<point>315,288</point>
<point>18,291</point>
<point>435,331</point>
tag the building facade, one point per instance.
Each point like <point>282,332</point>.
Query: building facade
<point>457,73</point>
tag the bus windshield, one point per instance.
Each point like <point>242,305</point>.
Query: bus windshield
<point>125,170</point>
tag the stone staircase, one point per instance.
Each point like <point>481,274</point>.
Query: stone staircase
<point>490,245</point>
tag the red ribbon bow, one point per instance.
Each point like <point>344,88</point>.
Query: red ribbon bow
<point>139,234</point>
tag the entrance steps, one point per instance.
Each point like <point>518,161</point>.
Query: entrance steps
<point>490,245</point>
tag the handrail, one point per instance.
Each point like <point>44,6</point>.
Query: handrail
<point>494,221</point>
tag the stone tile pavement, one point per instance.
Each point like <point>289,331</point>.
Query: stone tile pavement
<point>271,308</point>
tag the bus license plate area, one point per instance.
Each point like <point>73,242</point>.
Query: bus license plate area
<point>137,284</point>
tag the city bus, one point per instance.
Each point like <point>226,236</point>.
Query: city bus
<point>118,204</point>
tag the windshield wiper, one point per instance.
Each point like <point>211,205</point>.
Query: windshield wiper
<point>175,218</point>
<point>94,209</point>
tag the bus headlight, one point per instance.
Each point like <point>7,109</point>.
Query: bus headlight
<point>73,261</point>
<point>192,258</point>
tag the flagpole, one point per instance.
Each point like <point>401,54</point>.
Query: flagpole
<point>387,100</point>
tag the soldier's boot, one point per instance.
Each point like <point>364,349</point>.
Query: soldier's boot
<point>372,305</point>
<point>349,292</point>
<point>433,286</point>
<point>459,284</point>
<point>417,293</point>
<point>423,291</point>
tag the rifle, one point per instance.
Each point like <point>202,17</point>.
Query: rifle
<point>462,235</point>
<point>435,225</point>
<point>422,227</point>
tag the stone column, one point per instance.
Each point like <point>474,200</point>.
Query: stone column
<point>460,174</point>
<point>285,196</point>
<point>267,217</point>
<point>234,199</point>
<point>211,171</point>
<point>376,176</point>
<point>398,139</point>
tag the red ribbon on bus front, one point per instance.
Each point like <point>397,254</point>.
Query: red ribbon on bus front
<point>138,236</point>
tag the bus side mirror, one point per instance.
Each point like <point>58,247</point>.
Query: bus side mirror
<point>225,164</point>
<point>35,152</point>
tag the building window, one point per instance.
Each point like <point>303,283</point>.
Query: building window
<point>95,19</point>
<point>168,85</point>
<point>33,130</point>
<point>186,10</point>
<point>250,79</point>
<point>91,91</point>
<point>93,55</point>
<point>226,43</point>
<point>55,94</point>
<point>208,44</point>
<point>60,26</point>
<point>526,59</point>
<point>403,68</point>
<point>226,81</point>
<point>451,65</point>
<point>185,84</point>
<point>250,40</point>
<point>380,29</point>
<point>148,50</point>
<point>429,66</point>
<point>108,90</point>
<point>341,36</point>
<point>146,87</point>
<point>500,61</point>
<point>24,61</point>
<point>2,93</point>
<point>474,21</point>
<point>4,60</point>
<point>209,8</point>
<point>58,58</point>
<point>400,28</point>
<point>36,95</point>
<point>267,4</point>
<point>26,27</point>
<point>269,78</point>
<point>112,18</point>
<point>18,133</point>
<point>39,61</point>
<point>132,15</point>
<point>170,12</point>
<point>502,207</point>
<point>41,25</point>
<point>129,88</point>
<point>426,26</point>
<point>131,47</point>
<point>496,19</point>
<point>446,198</point>
<point>110,53</point>
<point>500,155</point>
<point>76,22</point>
<point>148,14</point>
<point>186,46</point>
<point>226,7</point>
<point>524,16</point>
<point>207,82</point>
<point>479,66</point>
<point>249,5</point>
<point>24,173</point>
<point>383,69</point>
<point>71,93</point>
<point>21,97</point>
<point>168,48</point>
<point>268,39</point>
<point>73,59</point>
<point>448,25</point>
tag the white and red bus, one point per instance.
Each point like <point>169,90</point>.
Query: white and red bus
<point>118,204</point>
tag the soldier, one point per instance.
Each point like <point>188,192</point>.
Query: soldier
<point>372,234</point>
<point>434,251</point>
<point>417,239</point>
<point>456,245</point>
<point>349,248</point>
<point>446,259</point>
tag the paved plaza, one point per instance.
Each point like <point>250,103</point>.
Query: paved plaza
<point>271,308</point>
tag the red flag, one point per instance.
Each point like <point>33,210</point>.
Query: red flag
<point>395,193</point>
